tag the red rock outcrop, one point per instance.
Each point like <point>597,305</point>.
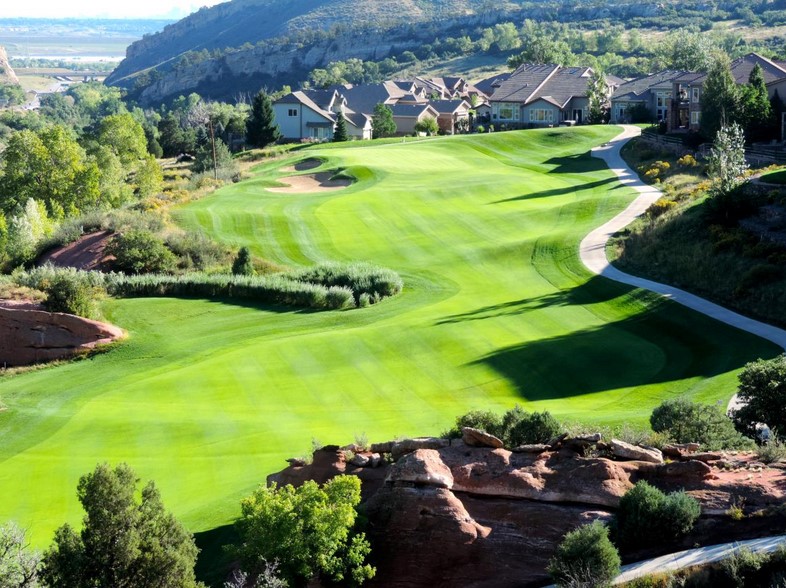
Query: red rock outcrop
<point>447,514</point>
<point>34,336</point>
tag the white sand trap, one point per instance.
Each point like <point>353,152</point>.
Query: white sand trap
<point>310,183</point>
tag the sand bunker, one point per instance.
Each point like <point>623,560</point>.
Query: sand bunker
<point>311,183</point>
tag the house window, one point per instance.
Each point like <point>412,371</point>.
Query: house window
<point>292,112</point>
<point>541,115</point>
<point>508,113</point>
<point>694,95</point>
<point>694,117</point>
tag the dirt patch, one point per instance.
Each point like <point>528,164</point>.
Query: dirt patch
<point>21,305</point>
<point>86,253</point>
<point>305,165</point>
<point>311,183</point>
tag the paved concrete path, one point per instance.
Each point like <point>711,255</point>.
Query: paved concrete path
<point>693,557</point>
<point>592,249</point>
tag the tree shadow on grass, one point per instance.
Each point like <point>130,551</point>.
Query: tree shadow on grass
<point>593,291</point>
<point>214,561</point>
<point>576,164</point>
<point>561,191</point>
<point>666,344</point>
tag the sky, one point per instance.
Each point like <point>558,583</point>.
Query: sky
<point>102,8</point>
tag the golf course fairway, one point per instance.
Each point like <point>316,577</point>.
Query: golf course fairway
<point>208,397</point>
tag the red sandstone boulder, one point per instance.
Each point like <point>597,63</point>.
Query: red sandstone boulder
<point>34,336</point>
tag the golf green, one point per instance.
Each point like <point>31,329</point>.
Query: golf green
<point>208,397</point>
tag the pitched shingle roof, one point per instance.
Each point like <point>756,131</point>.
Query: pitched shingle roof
<point>639,86</point>
<point>564,84</point>
<point>490,85</point>
<point>523,83</point>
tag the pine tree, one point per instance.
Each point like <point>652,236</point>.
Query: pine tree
<point>261,127</point>
<point>341,133</point>
<point>243,264</point>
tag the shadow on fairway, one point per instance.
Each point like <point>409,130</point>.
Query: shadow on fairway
<point>664,344</point>
<point>593,291</point>
<point>562,191</point>
<point>213,562</point>
<point>576,164</point>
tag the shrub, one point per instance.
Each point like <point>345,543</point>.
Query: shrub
<point>660,207</point>
<point>742,567</point>
<point>771,452</point>
<point>648,516</point>
<point>195,251</point>
<point>687,160</point>
<point>243,265</point>
<point>536,427</point>
<point>485,420</point>
<point>359,278</point>
<point>586,557</point>
<point>690,422</point>
<point>339,297</point>
<point>66,292</point>
<point>140,252</point>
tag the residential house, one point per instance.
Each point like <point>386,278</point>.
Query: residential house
<point>541,95</point>
<point>451,114</point>
<point>674,97</point>
<point>311,114</point>
<point>406,116</point>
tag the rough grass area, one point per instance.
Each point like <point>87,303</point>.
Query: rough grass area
<point>207,398</point>
<point>677,243</point>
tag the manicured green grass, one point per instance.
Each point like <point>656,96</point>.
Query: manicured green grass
<point>775,177</point>
<point>207,398</point>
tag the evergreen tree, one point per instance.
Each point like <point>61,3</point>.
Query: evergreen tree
<point>125,542</point>
<point>720,97</point>
<point>341,133</point>
<point>261,127</point>
<point>382,123</point>
<point>755,107</point>
<point>243,265</point>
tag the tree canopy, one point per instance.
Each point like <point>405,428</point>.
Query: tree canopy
<point>691,422</point>
<point>124,543</point>
<point>762,393</point>
<point>720,96</point>
<point>382,123</point>
<point>307,530</point>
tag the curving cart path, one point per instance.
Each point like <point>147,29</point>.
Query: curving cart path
<point>592,249</point>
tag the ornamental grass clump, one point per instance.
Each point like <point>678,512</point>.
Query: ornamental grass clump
<point>360,278</point>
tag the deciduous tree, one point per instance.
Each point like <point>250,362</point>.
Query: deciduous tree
<point>382,123</point>
<point>762,394</point>
<point>308,530</point>
<point>719,97</point>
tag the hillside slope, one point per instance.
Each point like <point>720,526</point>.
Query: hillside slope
<point>7,74</point>
<point>233,24</point>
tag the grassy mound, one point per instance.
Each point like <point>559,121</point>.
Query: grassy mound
<point>207,398</point>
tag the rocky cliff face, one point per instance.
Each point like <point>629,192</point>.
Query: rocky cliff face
<point>7,74</point>
<point>34,336</point>
<point>446,513</point>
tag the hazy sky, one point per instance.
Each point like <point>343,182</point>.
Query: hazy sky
<point>102,8</point>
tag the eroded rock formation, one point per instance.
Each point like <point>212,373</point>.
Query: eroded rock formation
<point>34,336</point>
<point>444,513</point>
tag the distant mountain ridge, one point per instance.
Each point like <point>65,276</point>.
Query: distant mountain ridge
<point>241,23</point>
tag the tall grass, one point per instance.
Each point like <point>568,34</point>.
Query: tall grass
<point>330,286</point>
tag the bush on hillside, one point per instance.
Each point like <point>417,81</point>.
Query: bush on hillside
<point>762,391</point>
<point>515,427</point>
<point>243,265</point>
<point>67,289</point>
<point>648,516</point>
<point>140,252</point>
<point>691,422</point>
<point>194,251</point>
<point>586,557</point>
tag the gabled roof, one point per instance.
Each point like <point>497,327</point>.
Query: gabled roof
<point>490,85</point>
<point>449,106</point>
<point>562,85</point>
<point>523,83</point>
<point>310,99</point>
<point>413,110</point>
<point>742,67</point>
<point>365,97</point>
<point>638,87</point>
